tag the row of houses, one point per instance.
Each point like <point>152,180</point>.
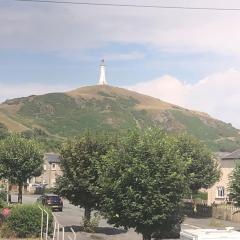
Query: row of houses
<point>51,170</point>
<point>218,193</point>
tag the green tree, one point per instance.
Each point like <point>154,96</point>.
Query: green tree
<point>20,160</point>
<point>202,169</point>
<point>80,174</point>
<point>142,183</point>
<point>234,185</point>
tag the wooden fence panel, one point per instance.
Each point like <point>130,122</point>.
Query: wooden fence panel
<point>226,212</point>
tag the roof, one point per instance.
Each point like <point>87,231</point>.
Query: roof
<point>233,155</point>
<point>214,234</point>
<point>52,157</point>
<point>51,195</point>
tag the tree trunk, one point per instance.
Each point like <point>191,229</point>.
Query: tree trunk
<point>20,187</point>
<point>87,217</point>
<point>147,236</point>
<point>87,214</point>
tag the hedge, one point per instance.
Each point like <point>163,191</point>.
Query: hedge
<point>25,221</point>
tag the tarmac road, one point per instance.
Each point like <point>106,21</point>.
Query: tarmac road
<point>72,216</point>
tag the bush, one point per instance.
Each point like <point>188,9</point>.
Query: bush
<point>25,221</point>
<point>6,233</point>
<point>3,196</point>
<point>201,195</point>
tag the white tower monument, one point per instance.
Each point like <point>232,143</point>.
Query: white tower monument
<point>102,78</point>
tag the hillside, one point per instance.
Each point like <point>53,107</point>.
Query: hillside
<point>109,108</point>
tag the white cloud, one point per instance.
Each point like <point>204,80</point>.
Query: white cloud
<point>167,88</point>
<point>124,56</point>
<point>63,27</point>
<point>217,94</point>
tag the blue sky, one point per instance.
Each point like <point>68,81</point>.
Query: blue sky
<point>189,58</point>
<point>126,65</point>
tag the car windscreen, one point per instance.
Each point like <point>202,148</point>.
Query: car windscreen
<point>54,198</point>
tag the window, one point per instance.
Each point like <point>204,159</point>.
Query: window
<point>53,166</point>
<point>220,192</point>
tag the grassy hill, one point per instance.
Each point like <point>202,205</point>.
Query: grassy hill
<point>108,108</point>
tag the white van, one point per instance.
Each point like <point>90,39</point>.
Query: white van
<point>209,234</point>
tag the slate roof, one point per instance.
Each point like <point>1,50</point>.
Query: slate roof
<point>233,155</point>
<point>52,157</point>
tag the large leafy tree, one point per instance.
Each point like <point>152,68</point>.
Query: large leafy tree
<point>234,185</point>
<point>202,169</point>
<point>20,160</point>
<point>80,174</point>
<point>143,182</point>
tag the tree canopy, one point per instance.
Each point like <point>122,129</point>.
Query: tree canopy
<point>138,181</point>
<point>20,160</point>
<point>234,185</point>
<point>143,183</point>
<point>80,174</point>
<point>202,170</point>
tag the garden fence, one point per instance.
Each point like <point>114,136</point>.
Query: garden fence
<point>226,212</point>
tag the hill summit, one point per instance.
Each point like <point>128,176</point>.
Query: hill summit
<point>108,108</point>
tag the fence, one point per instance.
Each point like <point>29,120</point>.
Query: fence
<point>197,210</point>
<point>44,212</point>
<point>56,231</point>
<point>226,212</point>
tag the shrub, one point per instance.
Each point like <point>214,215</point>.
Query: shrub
<point>3,196</point>
<point>201,195</point>
<point>3,203</point>
<point>6,233</point>
<point>25,221</point>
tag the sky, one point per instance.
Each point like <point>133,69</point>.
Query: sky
<point>187,57</point>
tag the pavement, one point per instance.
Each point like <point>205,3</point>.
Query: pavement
<point>72,216</point>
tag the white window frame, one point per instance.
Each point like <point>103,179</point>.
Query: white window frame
<point>220,192</point>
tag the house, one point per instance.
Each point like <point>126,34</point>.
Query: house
<point>219,192</point>
<point>51,170</point>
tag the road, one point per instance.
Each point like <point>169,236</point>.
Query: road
<point>71,217</point>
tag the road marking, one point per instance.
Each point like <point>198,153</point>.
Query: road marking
<point>189,225</point>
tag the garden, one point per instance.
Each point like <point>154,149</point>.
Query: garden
<point>20,220</point>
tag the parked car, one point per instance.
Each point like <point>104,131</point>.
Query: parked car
<point>51,200</point>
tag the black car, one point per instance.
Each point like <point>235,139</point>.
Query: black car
<point>51,200</point>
